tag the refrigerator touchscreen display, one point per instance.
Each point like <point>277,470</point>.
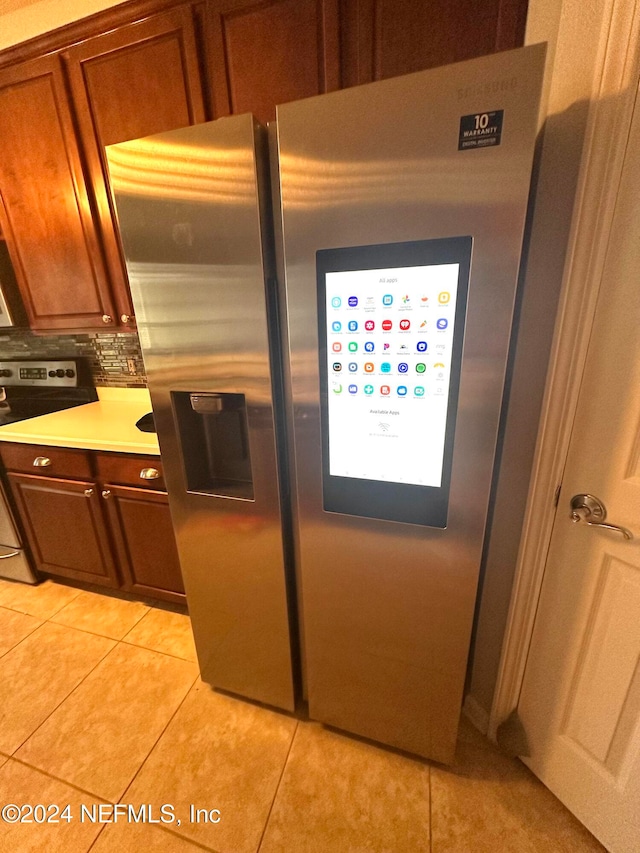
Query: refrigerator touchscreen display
<point>392,319</point>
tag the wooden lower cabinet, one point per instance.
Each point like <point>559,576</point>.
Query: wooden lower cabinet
<point>144,541</point>
<point>65,528</point>
<point>102,518</point>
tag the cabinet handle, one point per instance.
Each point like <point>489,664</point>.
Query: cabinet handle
<point>88,493</point>
<point>106,494</point>
<point>149,474</point>
<point>107,318</point>
<point>41,462</point>
<point>127,318</point>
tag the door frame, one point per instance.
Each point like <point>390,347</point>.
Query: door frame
<point>616,78</point>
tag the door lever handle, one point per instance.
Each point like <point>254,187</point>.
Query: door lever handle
<point>593,512</point>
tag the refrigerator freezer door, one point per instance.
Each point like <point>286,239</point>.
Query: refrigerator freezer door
<point>388,606</point>
<point>197,248</point>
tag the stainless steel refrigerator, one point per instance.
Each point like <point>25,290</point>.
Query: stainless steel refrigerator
<point>325,311</point>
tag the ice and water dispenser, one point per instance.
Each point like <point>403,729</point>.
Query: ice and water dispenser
<point>215,443</point>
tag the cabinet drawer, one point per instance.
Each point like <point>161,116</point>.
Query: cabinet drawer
<point>126,470</point>
<point>46,460</point>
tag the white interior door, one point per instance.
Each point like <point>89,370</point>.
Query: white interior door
<point>580,702</point>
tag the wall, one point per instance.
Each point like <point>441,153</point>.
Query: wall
<point>572,29</point>
<point>22,20</point>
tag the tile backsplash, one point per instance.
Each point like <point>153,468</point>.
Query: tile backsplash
<point>115,358</point>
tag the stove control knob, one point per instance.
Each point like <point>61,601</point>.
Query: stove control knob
<point>60,372</point>
<point>52,373</point>
<point>70,373</point>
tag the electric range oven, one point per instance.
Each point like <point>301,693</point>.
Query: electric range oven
<point>30,388</point>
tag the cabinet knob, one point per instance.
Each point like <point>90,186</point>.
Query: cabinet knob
<point>127,318</point>
<point>107,318</point>
<point>149,474</point>
<point>88,493</point>
<point>41,462</point>
<point>106,493</point>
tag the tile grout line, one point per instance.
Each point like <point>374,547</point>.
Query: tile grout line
<point>162,827</point>
<point>275,795</point>
<point>156,741</point>
<point>59,779</point>
<point>22,639</point>
<point>137,622</point>
<point>167,654</point>
<point>73,690</point>
<point>93,843</point>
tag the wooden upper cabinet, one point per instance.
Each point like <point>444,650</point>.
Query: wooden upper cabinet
<point>267,52</point>
<point>137,80</point>
<point>387,38</point>
<point>45,211</point>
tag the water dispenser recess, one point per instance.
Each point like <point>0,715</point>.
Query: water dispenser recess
<point>214,442</point>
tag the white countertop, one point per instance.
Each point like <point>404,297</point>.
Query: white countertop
<point>109,424</point>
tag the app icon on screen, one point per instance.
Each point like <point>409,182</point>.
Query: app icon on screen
<point>443,297</point>
<point>353,346</point>
<point>385,367</point>
<point>353,301</point>
<point>421,367</point>
<point>438,364</point>
<point>337,388</point>
<point>369,325</point>
<point>371,300</point>
<point>405,299</point>
<point>423,325</point>
<point>419,390</point>
<point>424,300</point>
<point>387,325</point>
<point>336,346</point>
<point>387,299</point>
<point>353,389</point>
<point>442,323</point>
<point>386,347</point>
<point>369,346</point>
<point>353,367</point>
<point>404,325</point>
<point>336,326</point>
<point>421,346</point>
<point>336,302</point>
<point>368,367</point>
<point>385,390</point>
<point>368,389</point>
<point>403,367</point>
<point>402,390</point>
<point>353,325</point>
<point>337,366</point>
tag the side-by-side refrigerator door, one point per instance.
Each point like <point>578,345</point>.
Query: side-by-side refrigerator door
<point>190,205</point>
<point>403,211</point>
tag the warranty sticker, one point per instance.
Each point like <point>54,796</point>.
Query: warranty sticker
<point>480,130</point>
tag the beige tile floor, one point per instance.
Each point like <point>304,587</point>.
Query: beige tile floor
<point>101,704</point>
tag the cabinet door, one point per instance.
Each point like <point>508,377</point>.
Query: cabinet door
<point>144,539</point>
<point>46,215</point>
<point>134,81</point>
<point>65,528</point>
<point>268,52</point>
<point>387,38</point>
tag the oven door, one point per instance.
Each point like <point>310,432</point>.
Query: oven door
<point>13,560</point>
